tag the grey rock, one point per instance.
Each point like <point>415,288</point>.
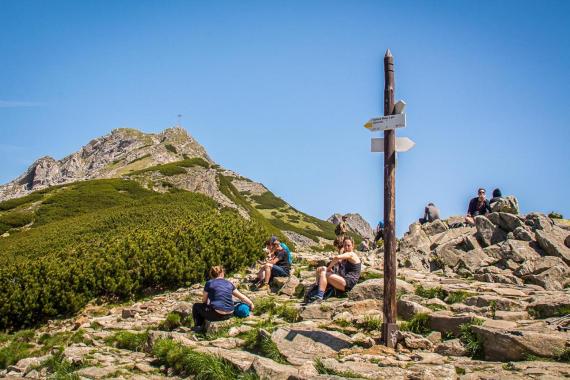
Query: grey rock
<point>452,347</point>
<point>521,233</point>
<point>487,232</point>
<point>435,227</point>
<point>447,323</point>
<point>183,309</point>
<point>300,344</point>
<point>407,309</point>
<point>538,221</point>
<point>508,204</point>
<point>374,289</point>
<point>414,341</point>
<point>550,305</point>
<point>506,345</point>
<point>553,244</point>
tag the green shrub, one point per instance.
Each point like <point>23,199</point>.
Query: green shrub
<point>172,322</point>
<point>371,323</point>
<point>188,363</point>
<point>128,340</point>
<point>419,324</point>
<point>555,215</point>
<point>457,296</point>
<point>268,200</point>
<point>322,370</point>
<point>60,368</point>
<point>473,343</point>
<point>260,343</point>
<point>18,347</point>
<point>13,203</point>
<point>143,240</point>
<point>437,292</point>
<point>171,148</point>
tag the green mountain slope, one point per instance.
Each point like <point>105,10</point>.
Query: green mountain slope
<point>114,239</point>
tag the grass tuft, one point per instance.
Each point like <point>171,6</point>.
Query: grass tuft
<point>186,362</point>
<point>437,292</point>
<point>128,340</point>
<point>419,324</point>
<point>322,370</point>
<point>473,343</point>
<point>259,342</point>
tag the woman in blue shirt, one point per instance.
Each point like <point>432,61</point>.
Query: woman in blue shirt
<point>217,300</point>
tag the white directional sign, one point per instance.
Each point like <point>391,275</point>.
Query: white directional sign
<point>403,144</point>
<point>386,122</point>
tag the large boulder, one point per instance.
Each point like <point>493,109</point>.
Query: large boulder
<point>509,345</point>
<point>299,343</point>
<point>538,221</point>
<point>553,243</point>
<point>520,251</point>
<point>435,227</point>
<point>452,347</point>
<point>407,309</point>
<point>550,305</point>
<point>447,323</point>
<point>508,204</point>
<point>374,289</point>
<point>487,232</point>
<point>506,221</point>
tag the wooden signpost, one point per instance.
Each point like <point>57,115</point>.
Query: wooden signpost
<point>393,118</point>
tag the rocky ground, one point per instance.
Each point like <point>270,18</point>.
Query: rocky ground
<point>489,312</point>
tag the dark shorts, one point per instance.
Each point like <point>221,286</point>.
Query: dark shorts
<point>277,271</point>
<point>350,282</point>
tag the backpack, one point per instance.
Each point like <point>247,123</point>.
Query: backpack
<point>289,254</point>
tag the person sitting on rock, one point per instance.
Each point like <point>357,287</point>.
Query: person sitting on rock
<point>277,265</point>
<point>348,277</point>
<point>497,195</point>
<point>477,206</point>
<point>217,300</point>
<point>431,213</point>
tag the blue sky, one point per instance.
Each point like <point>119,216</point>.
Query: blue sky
<point>279,92</point>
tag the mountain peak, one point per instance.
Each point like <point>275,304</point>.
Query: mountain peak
<point>113,155</point>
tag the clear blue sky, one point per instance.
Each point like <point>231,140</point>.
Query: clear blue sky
<point>279,92</point>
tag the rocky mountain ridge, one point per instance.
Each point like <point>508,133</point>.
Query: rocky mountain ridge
<point>109,156</point>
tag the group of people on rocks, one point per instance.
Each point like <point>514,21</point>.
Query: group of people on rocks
<point>479,205</point>
<point>340,275</point>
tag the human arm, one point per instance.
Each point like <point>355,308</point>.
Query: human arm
<point>205,297</point>
<point>244,298</point>
<point>472,206</point>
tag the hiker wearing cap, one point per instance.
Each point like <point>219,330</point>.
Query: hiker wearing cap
<point>431,213</point>
<point>477,206</point>
<point>277,265</point>
<point>217,300</point>
<point>348,275</point>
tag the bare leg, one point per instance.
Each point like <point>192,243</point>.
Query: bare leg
<point>318,274</point>
<point>267,269</point>
<point>336,281</point>
<point>470,220</point>
<point>322,279</point>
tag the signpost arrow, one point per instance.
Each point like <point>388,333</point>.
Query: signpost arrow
<point>386,123</point>
<point>403,144</point>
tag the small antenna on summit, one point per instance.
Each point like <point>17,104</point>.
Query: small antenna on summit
<point>179,116</point>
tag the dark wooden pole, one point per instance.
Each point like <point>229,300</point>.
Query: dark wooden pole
<point>389,326</point>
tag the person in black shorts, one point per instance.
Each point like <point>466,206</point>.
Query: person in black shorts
<point>347,278</point>
<point>276,266</point>
<point>217,300</point>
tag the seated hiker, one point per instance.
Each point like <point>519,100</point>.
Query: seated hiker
<point>496,196</point>
<point>431,213</point>
<point>346,278</point>
<point>477,206</point>
<point>217,300</point>
<point>277,265</point>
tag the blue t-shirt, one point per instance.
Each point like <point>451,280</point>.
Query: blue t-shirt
<point>220,294</point>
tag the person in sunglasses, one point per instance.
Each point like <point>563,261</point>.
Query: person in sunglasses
<point>477,206</point>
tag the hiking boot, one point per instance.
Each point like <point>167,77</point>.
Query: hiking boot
<point>316,298</point>
<point>198,329</point>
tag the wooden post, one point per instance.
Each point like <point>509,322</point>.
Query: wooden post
<point>389,326</point>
